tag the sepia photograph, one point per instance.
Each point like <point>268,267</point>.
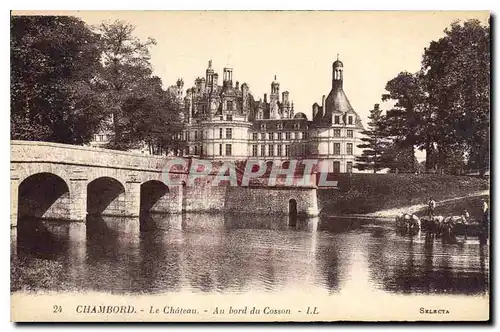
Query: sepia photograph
<point>250,166</point>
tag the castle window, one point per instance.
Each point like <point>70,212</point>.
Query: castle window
<point>349,120</point>
<point>271,150</point>
<point>201,150</point>
<point>263,136</point>
<point>229,117</point>
<point>229,133</point>
<point>187,150</point>
<point>263,150</point>
<point>254,150</point>
<point>336,167</point>
<point>220,132</point>
<point>336,148</point>
<point>279,152</point>
<point>337,119</point>
<point>262,126</point>
<point>195,149</point>
<point>304,135</point>
<point>229,105</point>
<point>201,134</point>
<point>336,133</point>
<point>287,135</point>
<point>229,149</point>
<point>196,135</point>
<point>255,136</point>
<point>349,167</point>
<point>296,126</point>
<point>280,126</point>
<point>221,118</point>
<point>350,133</point>
<point>349,148</point>
<point>220,149</point>
<point>287,150</point>
<point>280,136</point>
<point>270,136</point>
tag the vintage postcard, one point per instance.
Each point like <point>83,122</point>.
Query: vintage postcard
<point>250,166</point>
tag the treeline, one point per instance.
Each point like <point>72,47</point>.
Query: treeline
<point>443,109</point>
<point>70,81</point>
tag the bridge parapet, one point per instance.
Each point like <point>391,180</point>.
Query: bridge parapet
<point>35,151</point>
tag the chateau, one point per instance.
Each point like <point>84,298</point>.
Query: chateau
<point>225,122</point>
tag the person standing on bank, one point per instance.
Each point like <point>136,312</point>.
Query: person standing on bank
<point>432,207</point>
<point>486,212</point>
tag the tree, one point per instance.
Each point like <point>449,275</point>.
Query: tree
<point>399,157</point>
<point>155,122</point>
<point>126,77</point>
<point>457,76</point>
<point>54,97</point>
<point>407,123</point>
<point>374,145</point>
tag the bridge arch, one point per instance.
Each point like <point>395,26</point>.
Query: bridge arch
<point>154,197</point>
<point>43,195</point>
<point>105,196</point>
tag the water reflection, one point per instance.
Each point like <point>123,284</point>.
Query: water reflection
<point>242,253</point>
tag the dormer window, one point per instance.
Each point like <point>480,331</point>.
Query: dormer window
<point>262,126</point>
<point>349,119</point>
<point>296,126</point>
<point>280,126</point>
<point>229,117</point>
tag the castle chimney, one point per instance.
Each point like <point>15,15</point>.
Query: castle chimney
<point>314,110</point>
<point>265,97</point>
<point>323,104</point>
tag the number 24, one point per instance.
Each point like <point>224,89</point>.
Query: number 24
<point>57,309</point>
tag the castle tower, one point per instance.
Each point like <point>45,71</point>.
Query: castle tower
<point>209,76</point>
<point>337,74</point>
<point>227,78</point>
<point>275,90</point>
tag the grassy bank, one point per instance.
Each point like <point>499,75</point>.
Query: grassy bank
<point>367,193</point>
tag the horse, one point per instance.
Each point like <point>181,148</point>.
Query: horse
<point>407,222</point>
<point>453,225</point>
<point>433,225</point>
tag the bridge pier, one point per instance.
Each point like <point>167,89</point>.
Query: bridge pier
<point>14,198</point>
<point>132,198</point>
<point>78,199</point>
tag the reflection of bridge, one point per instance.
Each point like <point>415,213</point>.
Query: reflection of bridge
<point>65,182</point>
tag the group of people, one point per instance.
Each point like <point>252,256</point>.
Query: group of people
<point>485,209</point>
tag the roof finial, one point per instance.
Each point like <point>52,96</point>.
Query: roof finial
<point>275,77</point>
<point>209,64</point>
<point>337,57</point>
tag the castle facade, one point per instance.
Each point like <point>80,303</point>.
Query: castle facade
<point>225,122</point>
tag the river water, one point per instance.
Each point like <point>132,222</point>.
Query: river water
<point>243,253</point>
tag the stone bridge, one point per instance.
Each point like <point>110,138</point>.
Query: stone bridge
<point>66,182</point>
